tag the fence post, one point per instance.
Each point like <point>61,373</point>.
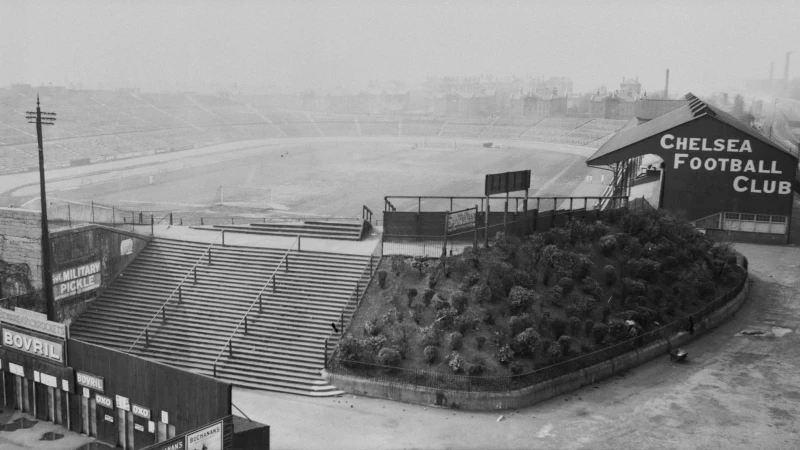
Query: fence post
<point>273,283</point>
<point>419,204</point>
<point>146,337</point>
<point>341,323</point>
<point>231,220</point>
<point>152,225</point>
<point>245,324</point>
<point>325,359</point>
<point>133,221</point>
<point>113,217</point>
<point>201,221</point>
<point>215,370</point>
<point>170,218</point>
<point>287,262</point>
<point>209,256</point>
<point>181,221</point>
<point>260,305</point>
<point>164,313</point>
<point>298,243</point>
<point>223,238</point>
<point>486,234</point>
<point>92,211</point>
<point>180,294</point>
<point>230,348</point>
<point>195,274</point>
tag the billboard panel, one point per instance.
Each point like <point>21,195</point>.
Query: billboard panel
<point>76,280</point>
<point>461,220</point>
<point>501,183</point>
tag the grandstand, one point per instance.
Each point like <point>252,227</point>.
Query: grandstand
<point>98,126</point>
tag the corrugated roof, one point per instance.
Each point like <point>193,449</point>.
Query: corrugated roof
<point>696,108</point>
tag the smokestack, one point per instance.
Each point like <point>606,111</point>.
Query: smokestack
<point>786,69</point>
<point>666,86</point>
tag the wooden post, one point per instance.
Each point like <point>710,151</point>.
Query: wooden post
<point>298,244</point>
<point>164,313</point>
<point>92,211</point>
<point>260,305</point>
<point>170,218</point>
<point>152,224</point>
<point>209,256</point>
<point>273,282</point>
<point>287,262</point>
<point>444,245</point>
<point>505,216</point>
<point>215,371</point>
<point>325,359</point>
<point>486,233</point>
<point>223,238</point>
<point>245,324</point>
<point>341,323</point>
<point>419,204</point>
<point>201,221</point>
<point>69,216</point>
<point>146,337</point>
<point>553,216</point>
<point>475,237</point>
<point>230,348</point>
<point>195,274</point>
<point>180,294</point>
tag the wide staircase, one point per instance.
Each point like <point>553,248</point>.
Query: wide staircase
<point>350,231</point>
<point>279,347</point>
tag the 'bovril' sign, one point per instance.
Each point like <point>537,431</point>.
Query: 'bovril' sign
<point>43,348</point>
<point>91,381</point>
<point>76,280</point>
<point>738,162</point>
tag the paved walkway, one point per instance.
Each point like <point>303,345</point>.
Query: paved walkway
<point>735,392</point>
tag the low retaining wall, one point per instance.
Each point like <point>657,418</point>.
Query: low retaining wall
<point>538,392</point>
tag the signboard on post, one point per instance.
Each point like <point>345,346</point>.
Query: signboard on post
<point>461,220</point>
<point>43,348</point>
<point>35,322</point>
<point>503,183</point>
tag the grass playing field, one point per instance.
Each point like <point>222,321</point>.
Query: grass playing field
<point>317,179</point>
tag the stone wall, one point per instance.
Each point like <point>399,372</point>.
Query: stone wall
<point>20,251</point>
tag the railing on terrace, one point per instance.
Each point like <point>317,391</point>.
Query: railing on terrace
<point>450,381</point>
<point>33,300</point>
<point>163,309</point>
<point>538,203</point>
<point>355,297</point>
<point>284,261</point>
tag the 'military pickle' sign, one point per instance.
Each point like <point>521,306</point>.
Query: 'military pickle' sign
<point>76,280</point>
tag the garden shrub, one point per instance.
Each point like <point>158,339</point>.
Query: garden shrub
<point>371,328</point>
<point>439,303</point>
<point>430,335</point>
<point>459,301</point>
<point>632,286</point>
<point>575,326</point>
<point>516,368</point>
<point>411,293</point>
<point>480,340</point>
<point>470,280</point>
<point>546,343</point>
<point>487,317</point>
<point>382,279</point>
<point>558,326</point>
<point>419,264</point>
<point>526,342</point>
<point>517,324</point>
<point>416,312</point>
<point>430,353</point>
<point>617,329</point>
<point>520,299</point>
<point>611,275</point>
<point>464,323</point>
<point>608,244</point>
<point>428,296</point>
<point>566,284</point>
<point>565,342</point>
<point>606,312</point>
<point>455,340</point>
<point>591,287</point>
<point>587,328</point>
<point>481,293</point>
<point>599,332</point>
<point>446,317</point>
<point>504,354</point>
<point>554,352</point>
<point>582,266</point>
<point>389,357</point>
<point>398,265</point>
<point>455,362</point>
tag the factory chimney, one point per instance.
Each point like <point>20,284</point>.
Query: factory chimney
<point>666,86</point>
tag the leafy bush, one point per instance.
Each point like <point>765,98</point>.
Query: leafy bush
<point>546,343</point>
<point>382,279</point>
<point>591,287</point>
<point>470,280</point>
<point>481,293</point>
<point>617,329</point>
<point>599,332</point>
<point>526,342</point>
<point>439,303</point>
<point>455,362</point>
<point>516,368</point>
<point>566,284</point>
<point>558,326</point>
<point>575,326</point>
<point>606,312</point>
<point>565,342</point>
<point>389,357</point>
<point>581,267</point>
<point>431,335</point>
<point>632,286</point>
<point>611,275</point>
<point>459,301</point>
<point>517,324</point>
<point>587,328</point>
<point>520,299</point>
<point>608,244</point>
<point>411,293</point>
<point>464,323</point>
<point>487,317</point>
<point>426,298</point>
<point>446,317</point>
<point>455,340</point>
<point>371,328</point>
<point>430,353</point>
<point>555,352</point>
<point>480,340</point>
<point>504,354</point>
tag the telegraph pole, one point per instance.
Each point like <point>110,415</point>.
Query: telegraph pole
<point>44,118</point>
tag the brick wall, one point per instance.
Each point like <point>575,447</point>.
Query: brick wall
<point>20,251</point>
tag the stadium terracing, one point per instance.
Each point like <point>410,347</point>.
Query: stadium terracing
<point>95,126</point>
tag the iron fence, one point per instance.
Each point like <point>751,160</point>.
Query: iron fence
<point>451,381</point>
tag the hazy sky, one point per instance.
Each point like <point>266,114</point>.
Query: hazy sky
<point>319,44</point>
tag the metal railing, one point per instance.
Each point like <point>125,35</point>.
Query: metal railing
<point>451,381</point>
<point>272,280</point>
<point>33,300</point>
<point>162,310</point>
<point>355,297</point>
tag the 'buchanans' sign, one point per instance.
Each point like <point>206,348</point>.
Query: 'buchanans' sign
<point>739,164</point>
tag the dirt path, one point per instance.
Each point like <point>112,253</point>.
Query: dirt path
<point>735,392</point>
